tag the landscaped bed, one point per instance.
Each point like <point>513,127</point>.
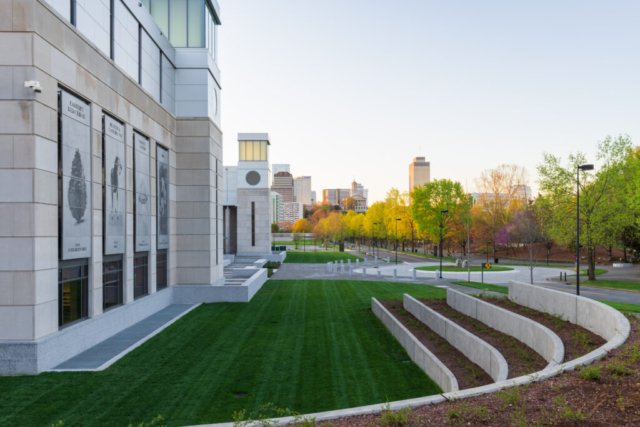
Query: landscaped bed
<point>606,393</point>
<point>577,340</point>
<point>474,268</point>
<point>298,257</point>
<point>520,358</point>
<point>467,373</point>
<point>305,345</point>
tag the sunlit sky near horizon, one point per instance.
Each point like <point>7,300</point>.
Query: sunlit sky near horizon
<point>351,89</point>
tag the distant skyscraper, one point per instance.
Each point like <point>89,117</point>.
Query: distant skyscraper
<point>277,212</point>
<point>280,168</point>
<point>419,172</point>
<point>335,196</point>
<point>293,211</point>
<point>302,189</point>
<point>314,199</point>
<point>283,184</point>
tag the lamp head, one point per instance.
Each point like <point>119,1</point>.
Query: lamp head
<point>444,211</point>
<point>586,167</point>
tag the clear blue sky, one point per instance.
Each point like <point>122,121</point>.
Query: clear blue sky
<point>350,88</point>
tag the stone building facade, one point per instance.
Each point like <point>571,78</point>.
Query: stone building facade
<point>89,248</point>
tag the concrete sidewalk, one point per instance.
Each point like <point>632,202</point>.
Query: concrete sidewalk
<point>102,355</point>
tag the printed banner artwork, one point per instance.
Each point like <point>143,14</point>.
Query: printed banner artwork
<point>162,199</point>
<point>142,195</point>
<point>75,157</point>
<point>115,194</point>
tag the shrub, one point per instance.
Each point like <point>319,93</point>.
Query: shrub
<point>389,418</point>
<point>591,372</point>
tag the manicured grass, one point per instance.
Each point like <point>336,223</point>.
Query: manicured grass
<point>484,286</point>
<point>298,257</point>
<point>623,307</point>
<point>597,271</point>
<point>304,345</point>
<point>614,284</point>
<point>302,242</point>
<point>474,268</point>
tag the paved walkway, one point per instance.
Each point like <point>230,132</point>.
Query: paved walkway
<point>103,354</point>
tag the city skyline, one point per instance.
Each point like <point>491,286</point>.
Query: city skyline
<point>440,80</point>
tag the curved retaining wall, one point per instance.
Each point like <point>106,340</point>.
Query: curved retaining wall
<point>422,357</point>
<point>477,350</point>
<point>540,338</point>
<point>614,325</point>
<point>593,315</point>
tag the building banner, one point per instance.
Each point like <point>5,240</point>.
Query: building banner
<point>115,194</point>
<point>162,199</point>
<point>75,194</point>
<point>142,195</point>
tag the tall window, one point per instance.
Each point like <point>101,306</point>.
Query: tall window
<point>253,223</point>
<point>161,270</point>
<point>111,281</point>
<point>73,291</point>
<point>140,275</point>
<point>181,21</point>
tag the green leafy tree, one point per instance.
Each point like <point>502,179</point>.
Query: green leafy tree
<point>431,199</point>
<point>598,190</point>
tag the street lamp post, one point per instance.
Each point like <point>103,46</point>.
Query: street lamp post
<point>374,248</point>
<point>397,219</point>
<point>441,212</point>
<point>584,168</point>
<point>360,238</point>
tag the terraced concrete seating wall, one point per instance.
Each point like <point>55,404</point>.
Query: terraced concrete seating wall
<point>540,338</point>
<point>590,314</point>
<point>477,350</point>
<point>420,355</point>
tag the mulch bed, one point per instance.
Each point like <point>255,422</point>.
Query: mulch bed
<point>521,358</point>
<point>466,372</point>
<point>577,340</point>
<point>610,398</point>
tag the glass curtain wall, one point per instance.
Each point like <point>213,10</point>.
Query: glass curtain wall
<point>183,22</point>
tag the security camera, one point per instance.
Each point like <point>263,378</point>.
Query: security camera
<point>35,85</point>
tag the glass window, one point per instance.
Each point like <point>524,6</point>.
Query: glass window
<point>140,275</point>
<point>196,9</point>
<point>263,146</point>
<point>146,4</point>
<point>112,282</point>
<point>178,23</point>
<point>161,270</point>
<point>256,150</point>
<point>249,150</point>
<point>243,156</point>
<point>73,291</point>
<point>160,13</point>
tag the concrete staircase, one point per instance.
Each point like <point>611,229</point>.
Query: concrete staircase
<point>238,262</point>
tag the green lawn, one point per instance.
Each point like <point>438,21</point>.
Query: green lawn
<point>302,242</point>
<point>298,257</point>
<point>474,268</point>
<point>484,286</point>
<point>614,284</point>
<point>304,345</point>
<point>623,307</point>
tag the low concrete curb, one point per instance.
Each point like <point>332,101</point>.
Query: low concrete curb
<point>540,338</point>
<point>477,350</point>
<point>422,357</point>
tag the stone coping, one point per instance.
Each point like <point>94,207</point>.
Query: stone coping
<point>474,348</point>
<point>422,357</point>
<point>619,336</point>
<point>540,338</point>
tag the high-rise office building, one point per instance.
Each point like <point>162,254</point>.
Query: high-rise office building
<point>293,211</point>
<point>280,167</point>
<point>277,213</point>
<point>419,172</point>
<point>302,189</point>
<point>283,184</point>
<point>335,196</point>
<point>314,199</point>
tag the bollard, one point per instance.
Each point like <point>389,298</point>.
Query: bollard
<point>364,272</point>
<point>561,275</point>
<point>357,262</point>
<point>329,267</point>
<point>335,267</point>
<point>341,262</point>
<point>388,260</point>
<point>350,270</point>
<point>379,274</point>
<point>395,273</point>
<point>342,269</point>
<point>348,262</point>
<point>415,274</point>
<point>365,261</point>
